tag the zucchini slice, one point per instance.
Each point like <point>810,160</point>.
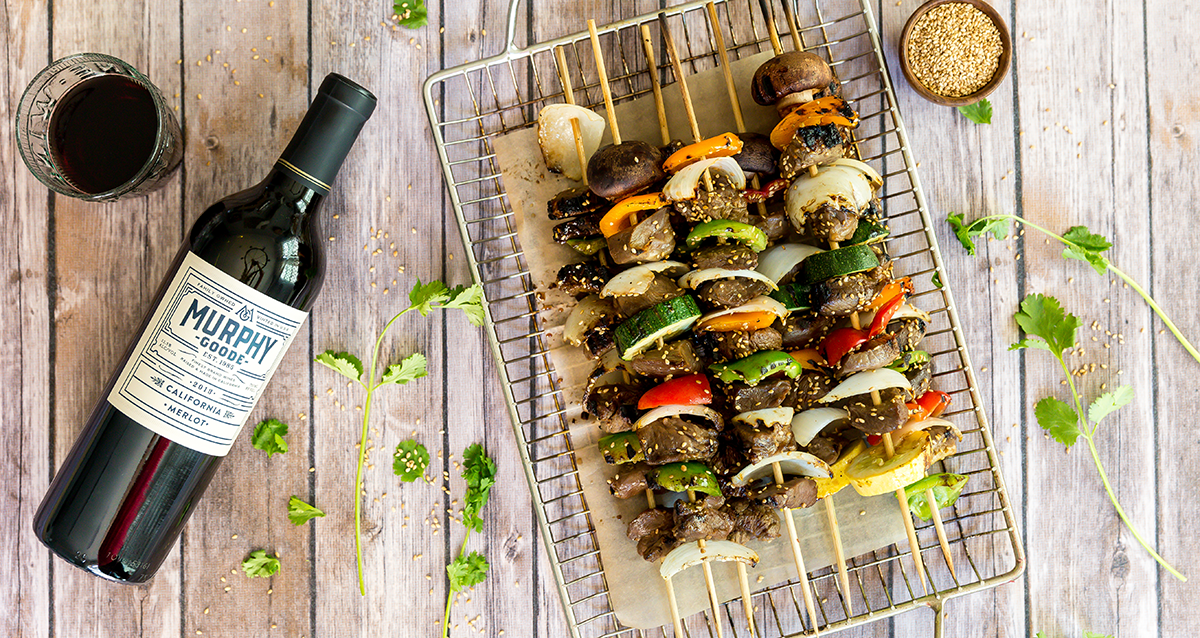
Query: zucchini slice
<point>659,322</point>
<point>846,260</point>
<point>794,296</point>
<point>869,231</point>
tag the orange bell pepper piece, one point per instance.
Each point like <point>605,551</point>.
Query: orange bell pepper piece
<point>723,145</point>
<point>809,358</point>
<point>617,217</point>
<point>738,321</point>
<point>895,288</point>
<point>824,110</point>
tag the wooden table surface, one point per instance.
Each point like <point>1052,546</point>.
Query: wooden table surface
<point>1097,124</point>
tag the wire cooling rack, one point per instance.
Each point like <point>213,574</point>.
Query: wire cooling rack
<point>470,105</point>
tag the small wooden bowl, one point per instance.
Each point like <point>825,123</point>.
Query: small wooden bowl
<point>1001,70</point>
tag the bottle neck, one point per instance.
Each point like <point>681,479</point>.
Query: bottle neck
<point>321,142</point>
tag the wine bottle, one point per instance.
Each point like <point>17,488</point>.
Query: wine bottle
<point>236,295</point>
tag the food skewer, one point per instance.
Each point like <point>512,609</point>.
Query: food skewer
<point>931,500</point>
<point>739,119</point>
<point>797,554</point>
<point>709,582</point>
<point>564,78</point>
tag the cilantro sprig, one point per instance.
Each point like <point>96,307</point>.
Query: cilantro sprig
<point>424,298</point>
<point>412,14</point>
<point>979,112</point>
<point>1048,327</point>
<point>268,437</point>
<point>410,461</point>
<point>466,570</point>
<point>300,512</point>
<point>1080,243</point>
<point>259,565</point>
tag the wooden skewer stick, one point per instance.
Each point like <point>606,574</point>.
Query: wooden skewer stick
<point>604,88</point>
<point>709,583</point>
<point>676,623</point>
<point>677,69</point>
<point>789,14</point>
<point>772,30</point>
<point>931,500</point>
<point>655,85</point>
<point>564,78</point>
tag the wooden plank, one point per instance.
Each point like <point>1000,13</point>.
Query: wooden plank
<point>1068,113</point>
<point>1172,146</point>
<point>245,72</point>
<point>24,335</point>
<point>102,294</point>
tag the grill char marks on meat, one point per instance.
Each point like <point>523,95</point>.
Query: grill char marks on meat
<point>872,355</point>
<point>805,330</point>
<point>673,440</point>
<point>833,223</point>
<point>793,493</point>
<point>579,227</point>
<point>770,393</point>
<point>722,202</point>
<point>728,256</point>
<point>808,389</point>
<point>677,358</point>
<point>630,481</point>
<point>583,278</point>
<point>738,344</point>
<point>730,292</point>
<point>826,448</point>
<point>760,440</point>
<point>752,521</point>
<point>921,378</point>
<point>702,520</point>
<point>889,415</point>
<point>813,146</point>
<point>850,293</point>
<point>613,405</point>
<point>652,530</point>
<point>575,202</point>
<point>909,332</point>
<point>600,339</point>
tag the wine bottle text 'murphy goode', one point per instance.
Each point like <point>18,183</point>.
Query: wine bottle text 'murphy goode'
<point>237,294</point>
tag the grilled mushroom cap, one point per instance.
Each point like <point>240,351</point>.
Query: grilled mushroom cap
<point>618,171</point>
<point>789,73</point>
<point>757,156</point>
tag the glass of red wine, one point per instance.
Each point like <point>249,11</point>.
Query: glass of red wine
<point>91,126</point>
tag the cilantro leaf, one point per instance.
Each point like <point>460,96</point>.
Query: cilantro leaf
<point>936,280</point>
<point>979,112</point>
<point>343,363</point>
<point>1092,634</point>
<point>259,565</point>
<point>411,368</point>
<point>479,471</point>
<point>1087,246</point>
<point>268,437</point>
<point>960,231</point>
<point>410,460</point>
<point>1110,402</point>
<point>424,296</point>
<point>1042,316</point>
<point>966,233</point>
<point>300,512</point>
<point>470,301</point>
<point>467,571</point>
<point>413,13</point>
<point>1058,419</point>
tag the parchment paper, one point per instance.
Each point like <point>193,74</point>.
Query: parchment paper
<point>634,584</point>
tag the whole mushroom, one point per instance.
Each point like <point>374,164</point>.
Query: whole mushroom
<point>617,171</point>
<point>790,79</point>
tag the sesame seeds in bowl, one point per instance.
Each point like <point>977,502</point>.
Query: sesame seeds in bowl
<point>955,52</point>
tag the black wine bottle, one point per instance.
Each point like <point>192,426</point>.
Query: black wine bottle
<point>235,297</point>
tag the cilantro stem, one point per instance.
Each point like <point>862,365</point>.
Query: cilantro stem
<point>450,588</point>
<point>1187,345</point>
<point>1087,433</point>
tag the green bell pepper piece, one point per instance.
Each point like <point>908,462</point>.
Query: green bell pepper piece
<point>741,232</point>
<point>620,448</point>
<point>757,367</point>
<point>588,245</point>
<point>946,488</point>
<point>689,475</point>
<point>910,360</point>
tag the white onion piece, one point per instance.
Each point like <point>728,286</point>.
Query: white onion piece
<point>770,416</point>
<point>790,464</point>
<point>779,260</point>
<point>876,178</point>
<point>690,554</point>
<point>636,280</point>
<point>664,411</point>
<point>932,422</point>
<point>693,279</point>
<point>557,138</point>
<point>838,186</point>
<point>865,382</point>
<point>809,423</point>
<point>682,186</point>
<point>761,303</point>
<point>584,316</point>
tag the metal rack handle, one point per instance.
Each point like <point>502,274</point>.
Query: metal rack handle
<point>510,35</point>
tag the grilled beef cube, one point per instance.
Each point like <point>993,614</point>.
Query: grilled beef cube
<point>652,239</point>
<point>578,228</point>
<point>872,355</point>
<point>941,444</point>
<point>730,292</point>
<point>813,146</point>
<point>889,415</point>
<point>805,330</point>
<point>661,289</point>
<point>769,393</point>
<point>613,405</point>
<point>833,223</point>
<point>738,344</point>
<point>729,459</point>
<point>575,202</point>
<point>826,448</point>
<point>760,440</point>
<point>630,481</point>
<point>651,521</point>
<point>583,278</point>
<point>909,332</point>
<point>673,440</point>
<point>807,390</point>
<point>921,378</point>
<point>702,520</point>
<point>674,359</point>
<point>599,339</point>
<point>792,494</point>
<point>850,293</point>
<point>752,521</point>
<point>722,202</point>
<point>655,547</point>
<point>727,256</point>
<point>774,224</point>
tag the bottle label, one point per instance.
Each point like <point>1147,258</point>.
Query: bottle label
<point>205,358</point>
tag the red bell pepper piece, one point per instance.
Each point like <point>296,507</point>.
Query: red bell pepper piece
<point>840,341</point>
<point>874,439</point>
<point>884,315</point>
<point>690,390</point>
<point>932,403</point>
